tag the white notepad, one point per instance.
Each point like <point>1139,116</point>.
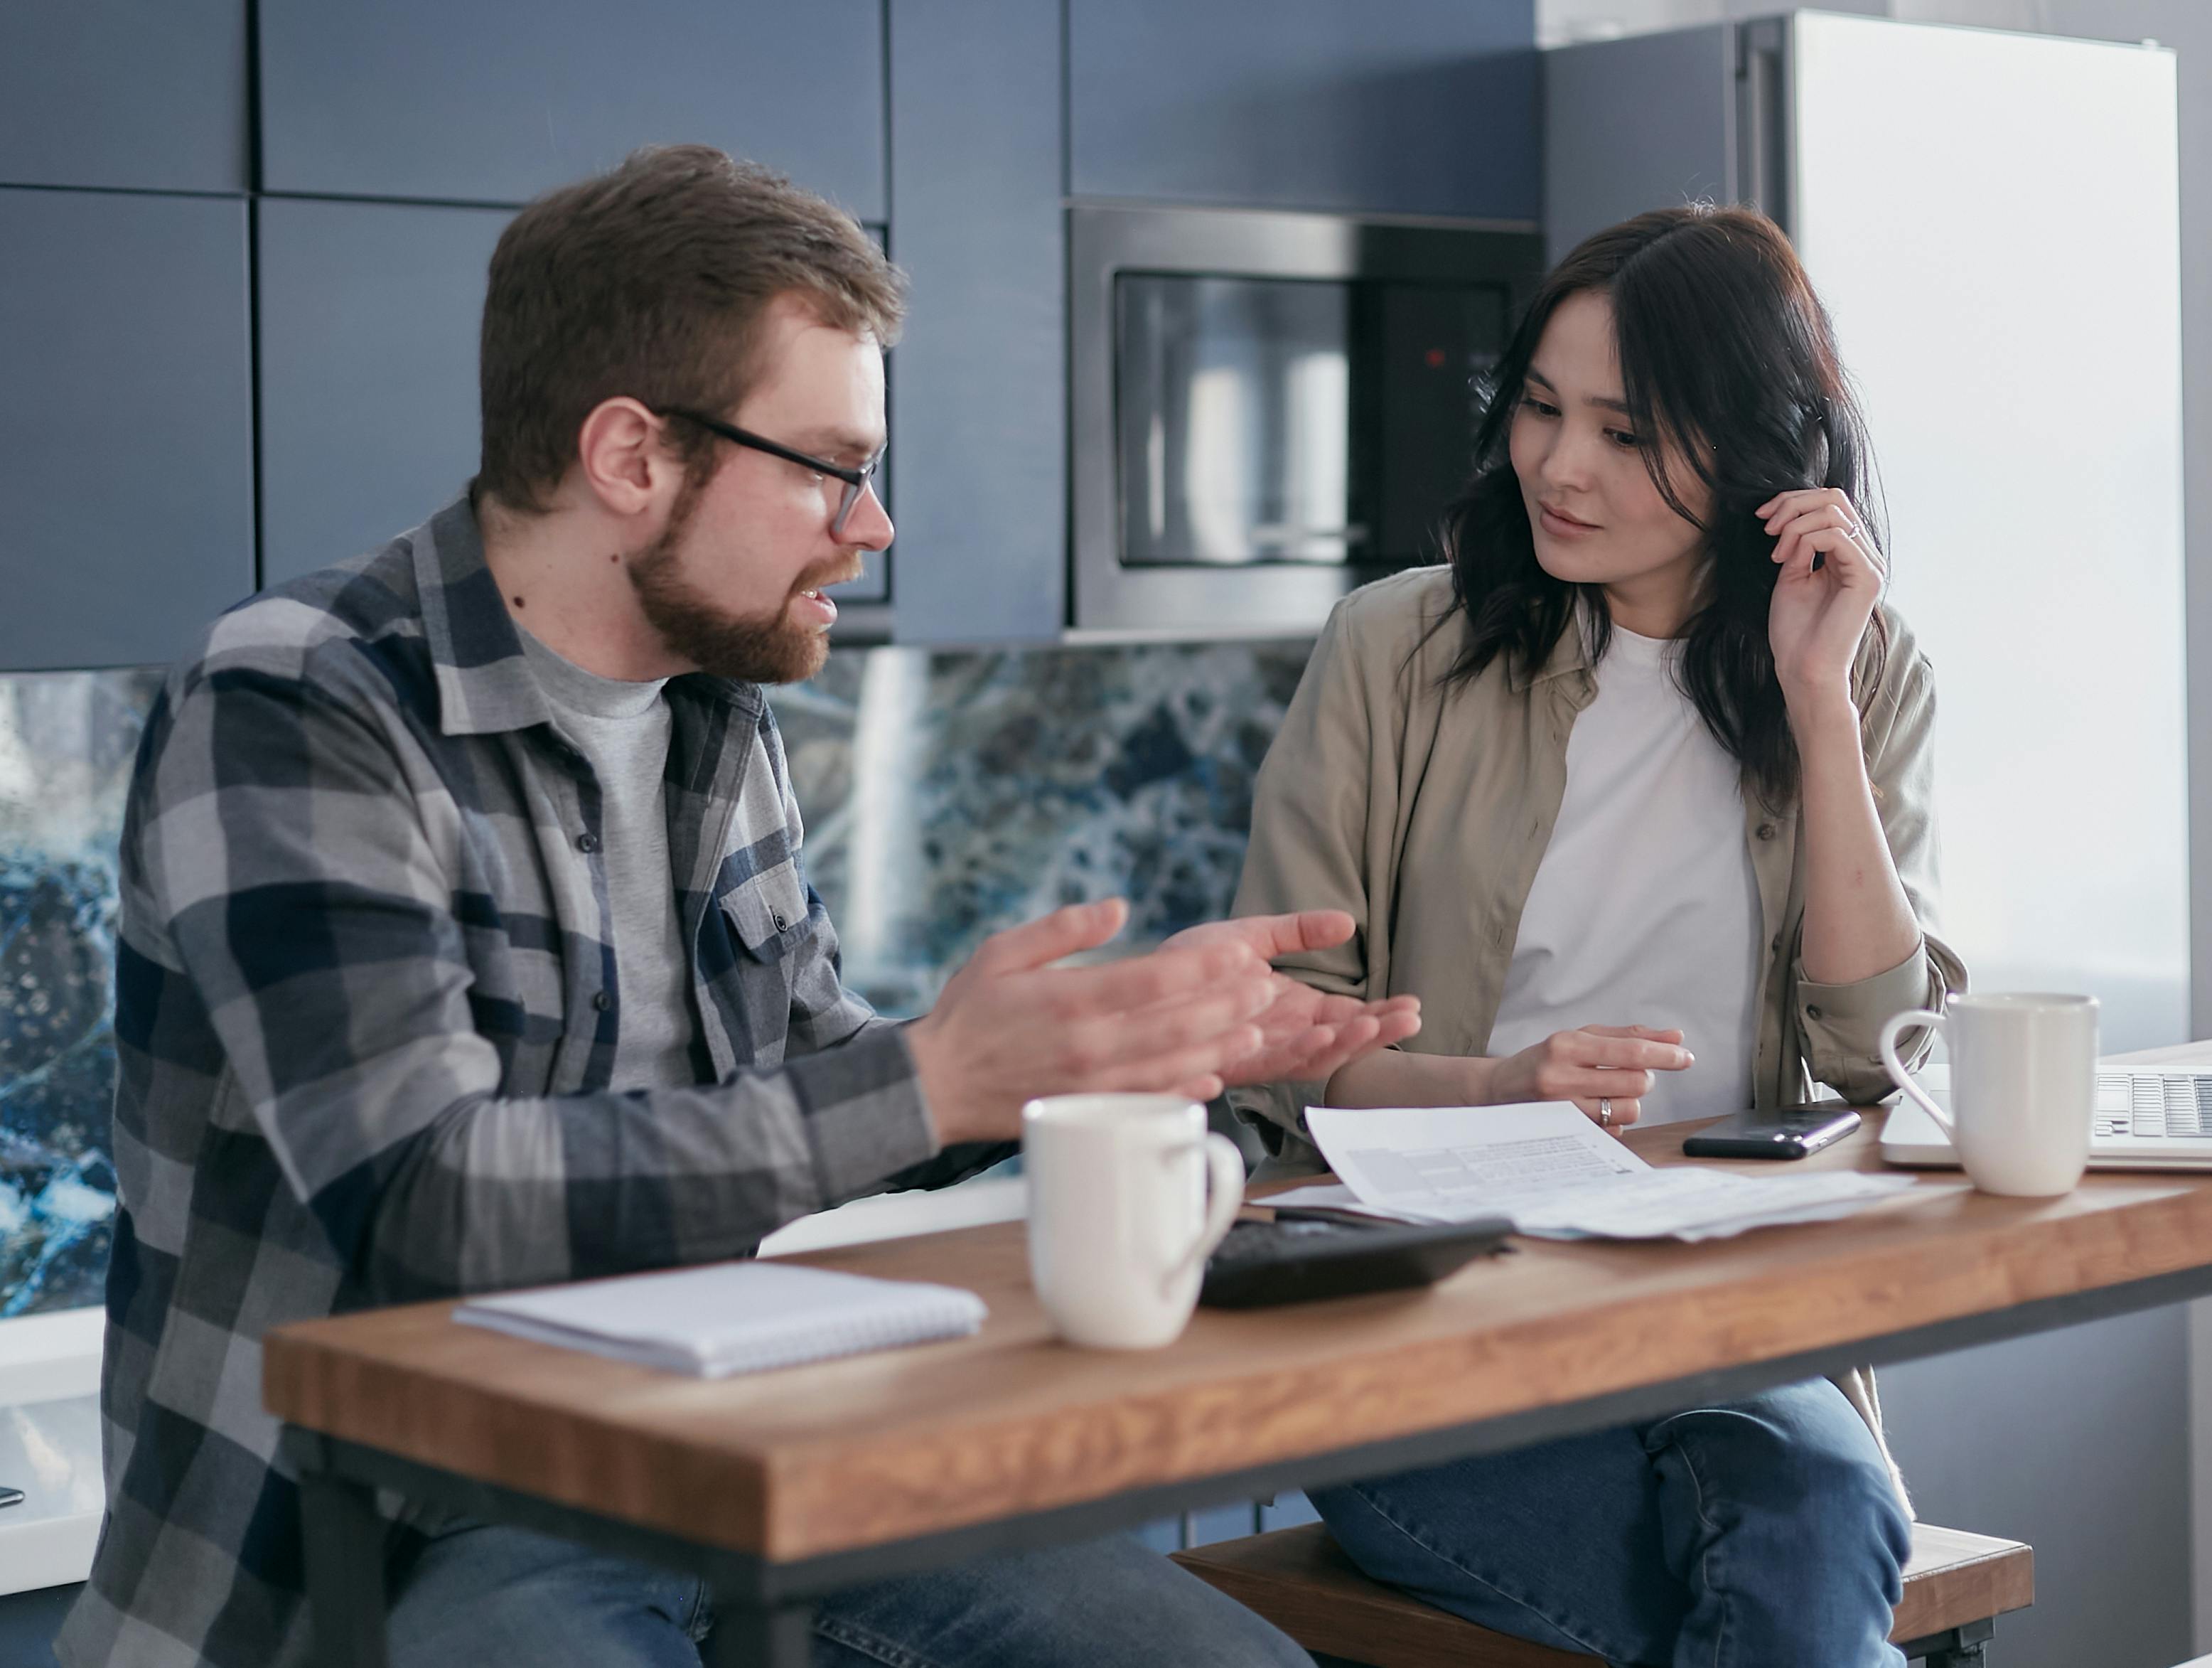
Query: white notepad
<point>728,1318</point>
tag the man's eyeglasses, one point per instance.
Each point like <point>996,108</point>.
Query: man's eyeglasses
<point>856,481</point>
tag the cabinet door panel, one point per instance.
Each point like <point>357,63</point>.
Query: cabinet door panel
<point>369,316</point>
<point>1417,107</point>
<point>978,386</point>
<point>127,424</point>
<point>496,101</point>
<point>140,94</point>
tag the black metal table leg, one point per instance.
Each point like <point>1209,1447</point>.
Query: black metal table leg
<point>748,1638</point>
<point>344,1536</point>
<point>1966,1646</point>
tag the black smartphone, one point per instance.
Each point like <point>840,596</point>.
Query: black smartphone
<point>1786,1132</point>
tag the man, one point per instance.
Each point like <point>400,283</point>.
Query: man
<point>466,944</point>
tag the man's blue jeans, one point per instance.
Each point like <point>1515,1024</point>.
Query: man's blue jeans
<point>1759,1534</point>
<point>480,1596</point>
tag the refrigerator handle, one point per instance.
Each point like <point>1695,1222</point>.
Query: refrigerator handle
<point>1762,128</point>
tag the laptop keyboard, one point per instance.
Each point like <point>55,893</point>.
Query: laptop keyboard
<point>2153,1104</point>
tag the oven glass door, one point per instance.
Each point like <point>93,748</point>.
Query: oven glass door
<point>1261,420</point>
<point>1233,404</point>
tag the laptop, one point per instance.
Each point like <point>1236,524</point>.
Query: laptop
<point>2153,1112</point>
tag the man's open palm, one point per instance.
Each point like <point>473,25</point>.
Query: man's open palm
<point>1307,1033</point>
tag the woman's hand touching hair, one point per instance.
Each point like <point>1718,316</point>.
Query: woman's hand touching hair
<point>1830,581</point>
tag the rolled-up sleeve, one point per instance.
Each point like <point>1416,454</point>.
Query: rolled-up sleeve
<point>1839,1024</point>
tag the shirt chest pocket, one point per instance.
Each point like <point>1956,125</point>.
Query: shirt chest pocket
<point>767,912</point>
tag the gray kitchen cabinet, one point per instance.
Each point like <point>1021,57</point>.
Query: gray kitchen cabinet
<point>1412,107</point>
<point>978,387</point>
<point>135,94</point>
<point>496,101</point>
<point>127,424</point>
<point>368,320</point>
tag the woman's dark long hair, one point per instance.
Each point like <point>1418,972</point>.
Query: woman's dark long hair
<point>1728,360</point>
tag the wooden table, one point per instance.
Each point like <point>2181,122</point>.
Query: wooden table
<point>783,1486</point>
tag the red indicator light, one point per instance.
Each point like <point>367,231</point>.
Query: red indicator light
<point>1436,358</point>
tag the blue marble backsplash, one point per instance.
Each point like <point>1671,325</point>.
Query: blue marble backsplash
<point>946,796</point>
<point>66,741</point>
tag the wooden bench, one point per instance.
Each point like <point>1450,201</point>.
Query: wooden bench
<point>1955,1587</point>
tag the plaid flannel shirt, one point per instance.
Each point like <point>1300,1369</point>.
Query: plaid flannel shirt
<point>365,1012</point>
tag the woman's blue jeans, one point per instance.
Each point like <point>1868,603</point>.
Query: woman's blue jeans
<point>1757,1534</point>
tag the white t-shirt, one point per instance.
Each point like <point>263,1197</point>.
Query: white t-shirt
<point>1644,909</point>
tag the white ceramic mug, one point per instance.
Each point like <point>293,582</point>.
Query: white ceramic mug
<point>2023,1087</point>
<point>1121,1223</point>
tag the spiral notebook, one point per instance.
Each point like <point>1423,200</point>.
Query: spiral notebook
<point>728,1318</point>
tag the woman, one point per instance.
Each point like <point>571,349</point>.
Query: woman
<point>1635,795</point>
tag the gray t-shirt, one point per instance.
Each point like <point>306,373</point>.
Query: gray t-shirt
<point>621,728</point>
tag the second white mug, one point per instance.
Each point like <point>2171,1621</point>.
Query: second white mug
<point>1121,1219</point>
<point>2023,1087</point>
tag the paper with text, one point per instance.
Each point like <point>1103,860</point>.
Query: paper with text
<point>1556,1174</point>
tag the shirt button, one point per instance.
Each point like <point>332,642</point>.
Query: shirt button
<point>779,921</point>
<point>587,842</point>
<point>602,1002</point>
<point>1812,1012</point>
<point>1766,830</point>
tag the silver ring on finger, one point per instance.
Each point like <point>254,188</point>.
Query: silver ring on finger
<point>1605,1113</point>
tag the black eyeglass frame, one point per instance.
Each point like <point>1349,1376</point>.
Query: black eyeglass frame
<point>857,481</point>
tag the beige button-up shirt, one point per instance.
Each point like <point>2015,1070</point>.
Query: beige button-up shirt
<point>1423,811</point>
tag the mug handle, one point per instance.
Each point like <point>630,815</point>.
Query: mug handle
<point>1897,1074</point>
<point>1225,1195</point>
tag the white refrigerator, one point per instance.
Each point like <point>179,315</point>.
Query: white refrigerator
<point>1993,220</point>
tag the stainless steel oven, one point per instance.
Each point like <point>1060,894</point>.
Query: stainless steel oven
<point>1269,409</point>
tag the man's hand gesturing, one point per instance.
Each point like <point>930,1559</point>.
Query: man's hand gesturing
<point>1308,1033</point>
<point>1202,1011</point>
<point>1011,1026</point>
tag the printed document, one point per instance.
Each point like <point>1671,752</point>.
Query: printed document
<point>1556,1175</point>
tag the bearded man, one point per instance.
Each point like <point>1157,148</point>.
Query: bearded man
<point>466,943</point>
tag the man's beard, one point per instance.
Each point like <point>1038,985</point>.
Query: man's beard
<point>763,648</point>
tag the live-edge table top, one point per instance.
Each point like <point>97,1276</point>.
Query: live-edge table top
<point>810,1461</point>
